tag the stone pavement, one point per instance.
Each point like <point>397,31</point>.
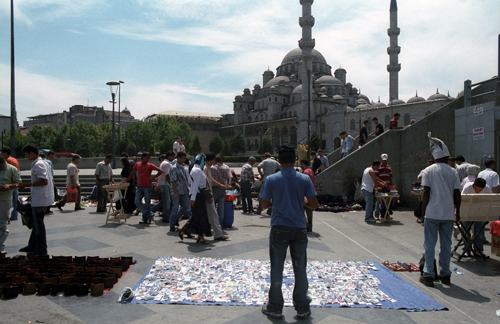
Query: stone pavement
<point>472,298</point>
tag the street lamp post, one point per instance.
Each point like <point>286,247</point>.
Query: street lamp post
<point>13,115</point>
<point>119,109</point>
<point>113,87</point>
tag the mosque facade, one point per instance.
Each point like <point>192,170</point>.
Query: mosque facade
<point>304,91</point>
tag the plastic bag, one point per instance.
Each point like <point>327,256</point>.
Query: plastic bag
<point>71,195</point>
<point>117,195</point>
<point>94,194</point>
<point>24,208</point>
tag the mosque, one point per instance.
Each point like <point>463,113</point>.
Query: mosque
<point>305,92</point>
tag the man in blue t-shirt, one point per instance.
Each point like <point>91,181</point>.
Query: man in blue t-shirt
<point>288,191</point>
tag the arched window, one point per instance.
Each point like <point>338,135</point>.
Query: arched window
<point>293,136</point>
<point>275,98</point>
<point>387,121</point>
<point>407,119</point>
<point>336,143</point>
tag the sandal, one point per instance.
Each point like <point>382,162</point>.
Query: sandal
<point>181,235</point>
<point>201,240</point>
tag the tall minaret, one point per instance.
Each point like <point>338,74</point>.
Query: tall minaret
<point>394,67</point>
<point>306,44</point>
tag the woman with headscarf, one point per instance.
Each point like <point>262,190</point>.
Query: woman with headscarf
<point>198,223</point>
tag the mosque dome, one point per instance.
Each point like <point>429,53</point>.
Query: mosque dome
<point>450,97</point>
<point>362,96</point>
<point>276,81</point>
<point>293,77</point>
<point>364,106</point>
<point>378,104</point>
<point>298,89</point>
<point>328,80</point>
<point>416,99</point>
<point>350,109</point>
<point>438,96</point>
<point>340,70</point>
<point>338,97</point>
<point>396,102</point>
<point>362,101</point>
<point>295,55</point>
<point>126,111</point>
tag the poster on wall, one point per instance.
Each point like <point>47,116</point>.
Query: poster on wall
<point>478,110</point>
<point>478,133</point>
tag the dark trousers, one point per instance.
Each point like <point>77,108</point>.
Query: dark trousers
<point>246,196</point>
<point>102,197</point>
<point>62,202</point>
<point>38,238</point>
<point>309,218</point>
<point>280,238</point>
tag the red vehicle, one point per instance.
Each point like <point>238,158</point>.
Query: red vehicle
<point>65,155</point>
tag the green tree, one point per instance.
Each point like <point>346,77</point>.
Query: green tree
<point>216,144</point>
<point>195,146</point>
<point>265,146</point>
<point>315,142</point>
<point>238,144</point>
<point>226,149</point>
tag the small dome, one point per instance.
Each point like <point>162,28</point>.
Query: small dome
<point>362,96</point>
<point>379,104</point>
<point>350,109</point>
<point>416,99</point>
<point>438,96</point>
<point>362,101</point>
<point>323,89</point>
<point>340,70</point>
<point>126,111</point>
<point>364,106</point>
<point>295,55</point>
<point>328,80</point>
<point>338,97</point>
<point>450,97</point>
<point>293,77</point>
<point>276,81</point>
<point>298,89</point>
<point>396,102</point>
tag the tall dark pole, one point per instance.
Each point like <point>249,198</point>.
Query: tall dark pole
<point>113,132</point>
<point>12,85</point>
<point>308,113</point>
<point>119,109</point>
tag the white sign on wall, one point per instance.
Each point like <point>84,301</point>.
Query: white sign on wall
<point>478,110</point>
<point>478,133</point>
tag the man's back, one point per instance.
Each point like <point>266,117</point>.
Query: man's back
<point>269,166</point>
<point>287,190</point>
<point>491,177</point>
<point>442,180</point>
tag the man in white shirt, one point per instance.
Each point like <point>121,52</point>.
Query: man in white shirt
<point>479,186</point>
<point>440,206</point>
<point>42,196</point>
<point>368,184</point>
<point>72,181</point>
<point>163,187</point>
<point>462,167</point>
<point>177,145</point>
<point>490,175</point>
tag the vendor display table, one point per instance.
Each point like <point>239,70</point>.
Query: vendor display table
<point>116,214</point>
<point>386,200</point>
<point>475,208</point>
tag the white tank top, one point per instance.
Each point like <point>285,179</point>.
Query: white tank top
<point>367,181</point>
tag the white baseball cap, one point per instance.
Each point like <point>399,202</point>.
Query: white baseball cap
<point>384,157</point>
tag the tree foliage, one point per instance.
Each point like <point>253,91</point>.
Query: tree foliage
<point>238,144</point>
<point>226,149</point>
<point>266,146</point>
<point>315,142</point>
<point>216,144</point>
<point>90,140</point>
<point>195,146</point>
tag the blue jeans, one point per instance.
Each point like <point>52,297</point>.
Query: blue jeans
<point>369,204</point>
<point>433,228</point>
<point>219,198</point>
<point>479,241</point>
<point>183,201</point>
<point>145,208</point>
<point>164,203</point>
<point>38,237</point>
<point>378,202</point>
<point>15,195</point>
<point>346,154</point>
<point>280,238</point>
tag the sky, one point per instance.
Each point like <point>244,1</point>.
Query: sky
<point>197,55</point>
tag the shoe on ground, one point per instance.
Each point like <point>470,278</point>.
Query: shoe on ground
<point>101,211</point>
<point>446,280</point>
<point>271,314</point>
<point>371,220</point>
<point>428,281</point>
<point>13,218</point>
<point>80,208</point>
<point>304,315</point>
<point>26,249</point>
<point>165,220</point>
<point>173,229</point>
<point>222,238</point>
<point>59,206</point>
<point>49,212</point>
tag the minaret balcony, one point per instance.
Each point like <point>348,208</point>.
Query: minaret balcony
<point>393,50</point>
<point>394,68</point>
<point>393,31</point>
<point>306,21</point>
<point>307,44</point>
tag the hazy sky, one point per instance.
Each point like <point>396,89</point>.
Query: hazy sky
<point>197,55</point>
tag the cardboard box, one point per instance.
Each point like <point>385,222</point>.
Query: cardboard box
<point>495,244</point>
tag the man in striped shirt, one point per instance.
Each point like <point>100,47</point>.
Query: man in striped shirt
<point>384,172</point>
<point>247,178</point>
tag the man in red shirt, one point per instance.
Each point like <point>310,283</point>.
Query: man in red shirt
<point>393,124</point>
<point>15,193</point>
<point>304,165</point>
<point>384,172</point>
<point>144,186</point>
